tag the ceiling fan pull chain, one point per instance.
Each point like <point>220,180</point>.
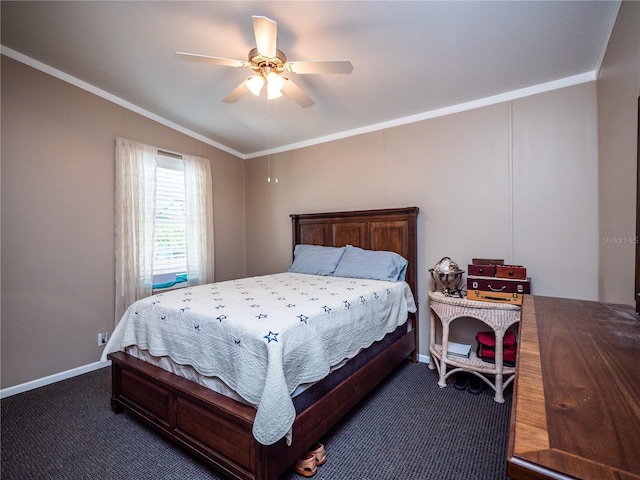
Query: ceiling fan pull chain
<point>268,145</point>
<point>275,108</point>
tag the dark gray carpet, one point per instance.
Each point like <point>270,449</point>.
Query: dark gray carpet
<point>407,429</point>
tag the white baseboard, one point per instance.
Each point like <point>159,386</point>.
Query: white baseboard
<point>41,382</point>
<point>423,358</point>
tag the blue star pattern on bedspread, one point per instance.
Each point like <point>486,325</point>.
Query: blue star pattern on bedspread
<point>271,337</point>
<point>265,336</point>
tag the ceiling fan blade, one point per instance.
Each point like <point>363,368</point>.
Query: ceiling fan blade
<point>330,66</point>
<point>217,60</point>
<point>266,32</point>
<point>236,93</point>
<point>295,92</point>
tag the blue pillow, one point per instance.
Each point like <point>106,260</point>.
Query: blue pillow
<point>315,259</point>
<point>372,264</point>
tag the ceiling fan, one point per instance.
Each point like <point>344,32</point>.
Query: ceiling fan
<point>271,67</point>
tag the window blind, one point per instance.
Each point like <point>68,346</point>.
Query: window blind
<point>170,247</point>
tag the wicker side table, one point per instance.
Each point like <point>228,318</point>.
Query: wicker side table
<point>498,316</point>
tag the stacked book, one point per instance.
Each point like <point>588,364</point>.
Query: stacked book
<point>490,280</point>
<point>460,350</point>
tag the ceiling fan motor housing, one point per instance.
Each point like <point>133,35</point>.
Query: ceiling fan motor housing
<point>261,64</point>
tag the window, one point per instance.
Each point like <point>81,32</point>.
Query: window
<point>169,240</point>
<point>163,221</point>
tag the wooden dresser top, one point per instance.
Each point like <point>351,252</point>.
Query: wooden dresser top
<point>576,406</point>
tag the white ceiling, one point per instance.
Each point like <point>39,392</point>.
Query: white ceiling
<point>411,59</point>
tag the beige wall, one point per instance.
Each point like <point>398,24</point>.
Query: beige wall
<point>618,91</point>
<point>517,180</point>
<point>57,218</point>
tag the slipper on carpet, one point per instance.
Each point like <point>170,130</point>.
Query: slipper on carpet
<point>476,385</point>
<point>319,453</point>
<point>306,465</point>
<point>461,380</point>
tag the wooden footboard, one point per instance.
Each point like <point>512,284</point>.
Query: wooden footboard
<point>218,429</point>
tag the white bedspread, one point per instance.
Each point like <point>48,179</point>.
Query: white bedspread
<point>264,336</point>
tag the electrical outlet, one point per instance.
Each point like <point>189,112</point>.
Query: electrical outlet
<point>102,339</point>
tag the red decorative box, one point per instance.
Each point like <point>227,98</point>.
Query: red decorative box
<point>482,270</point>
<point>486,347</point>
<point>511,271</point>
<point>487,261</point>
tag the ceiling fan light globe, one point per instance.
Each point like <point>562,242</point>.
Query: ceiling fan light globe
<point>255,84</point>
<point>275,81</point>
<point>273,94</point>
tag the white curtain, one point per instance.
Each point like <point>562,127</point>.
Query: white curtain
<point>136,166</point>
<point>134,222</point>
<point>199,213</point>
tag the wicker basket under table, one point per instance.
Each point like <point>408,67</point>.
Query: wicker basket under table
<point>498,316</point>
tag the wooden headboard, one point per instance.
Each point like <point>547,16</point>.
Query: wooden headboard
<point>391,229</point>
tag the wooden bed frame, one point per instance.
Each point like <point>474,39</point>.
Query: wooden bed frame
<point>218,429</point>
